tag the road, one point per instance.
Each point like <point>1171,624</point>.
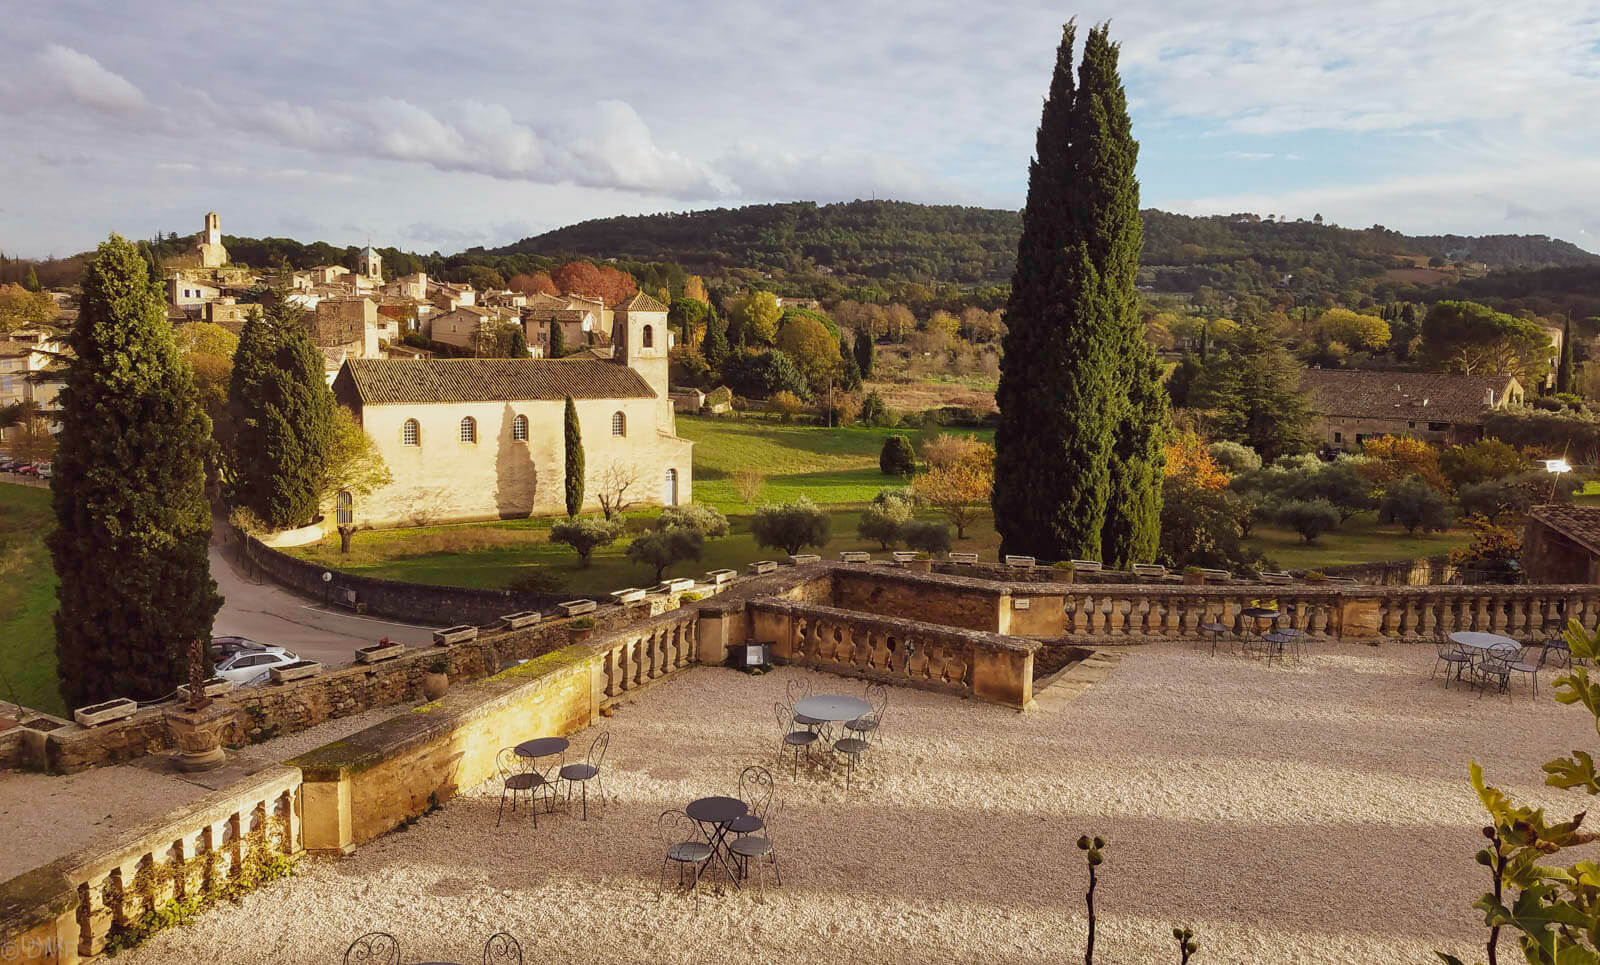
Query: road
<point>267,613</point>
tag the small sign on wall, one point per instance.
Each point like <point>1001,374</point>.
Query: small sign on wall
<point>1021,604</point>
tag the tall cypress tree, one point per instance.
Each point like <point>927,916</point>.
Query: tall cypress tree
<point>715,345</point>
<point>1564,381</point>
<point>132,522</point>
<point>863,352</point>
<point>1058,404</point>
<point>31,283</point>
<point>1109,222</point>
<point>558,340</point>
<point>574,439</point>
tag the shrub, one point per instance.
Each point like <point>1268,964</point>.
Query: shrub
<point>1200,526</point>
<point>748,483</point>
<point>1308,517</point>
<point>790,526</point>
<point>698,517</point>
<point>439,665</point>
<point>898,494</point>
<point>665,547</point>
<point>874,412</point>
<point>1234,457</point>
<point>962,489</point>
<point>1480,462</point>
<point>882,522</point>
<point>585,535</point>
<point>946,449</point>
<point>1392,459</point>
<point>897,458</point>
<point>1415,505</point>
<point>785,405</point>
<point>927,536</point>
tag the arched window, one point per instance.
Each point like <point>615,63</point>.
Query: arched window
<point>649,340</point>
<point>619,424</point>
<point>411,433</point>
<point>469,429</point>
<point>519,428</point>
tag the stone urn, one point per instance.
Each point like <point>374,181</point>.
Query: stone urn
<point>198,734</point>
<point>436,680</point>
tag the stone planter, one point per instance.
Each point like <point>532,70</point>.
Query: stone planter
<point>379,651</point>
<point>1087,566</point>
<point>574,607</point>
<point>855,556</point>
<point>677,584</point>
<point>198,734</point>
<point>214,687</point>
<point>1021,562</point>
<point>920,566</point>
<point>104,713</point>
<point>449,635</point>
<point>520,619</point>
<point>434,685</point>
<point>1194,579</point>
<point>904,556</point>
<point>964,559</point>
<point>719,577</point>
<point>801,559</point>
<point>295,671</point>
<point>762,566</point>
<point>1060,574</point>
<point>631,594</point>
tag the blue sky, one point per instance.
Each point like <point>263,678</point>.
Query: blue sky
<point>437,126</point>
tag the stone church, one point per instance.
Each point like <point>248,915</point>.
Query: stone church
<point>475,439</point>
<point>208,251</point>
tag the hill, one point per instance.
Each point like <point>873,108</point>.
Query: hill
<point>898,241</point>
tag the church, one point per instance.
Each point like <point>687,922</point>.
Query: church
<point>476,439</point>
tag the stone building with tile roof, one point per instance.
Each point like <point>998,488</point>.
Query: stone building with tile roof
<point>1561,544</point>
<point>473,439</point>
<point>1448,409</point>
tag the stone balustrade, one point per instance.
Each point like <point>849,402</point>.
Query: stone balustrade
<point>639,655</point>
<point>893,650</point>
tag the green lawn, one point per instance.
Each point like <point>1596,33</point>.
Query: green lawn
<point>27,600</point>
<point>836,468</point>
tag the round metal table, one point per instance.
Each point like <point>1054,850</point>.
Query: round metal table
<point>832,707</point>
<point>1477,640</point>
<point>714,815</point>
<point>543,747</point>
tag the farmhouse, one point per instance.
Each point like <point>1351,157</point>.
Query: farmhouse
<point>1351,406</point>
<point>1562,544</point>
<point>471,439</point>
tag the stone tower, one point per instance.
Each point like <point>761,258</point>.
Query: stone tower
<point>640,341</point>
<point>207,251</point>
<point>213,233</point>
<point>371,264</point>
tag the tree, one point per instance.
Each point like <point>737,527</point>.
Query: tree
<point>281,416</point>
<point>538,283</point>
<point>663,548</point>
<point>715,345</point>
<point>958,491</point>
<point>517,343</point>
<point>355,465</point>
<point>874,411</point>
<point>1392,458</point>
<point>881,522</point>
<point>1414,504</point>
<point>574,460</point>
<point>31,283</point>
<point>946,449</point>
<point>790,526</point>
<point>1564,369</point>
<point>1254,396</point>
<point>863,352</point>
<point>1477,340</point>
<point>1309,517</point>
<point>1366,333</point>
<point>695,287</point>
<point>558,340</point>
<point>611,489</point>
<point>1079,403</point>
<point>1480,461</point>
<point>748,483</point>
<point>30,438</point>
<point>786,404</point>
<point>757,315</point>
<point>24,308</point>
<point>687,315</point>
<point>483,278</point>
<point>132,522</point>
<point>708,521</point>
<point>927,536</point>
<point>1233,458</point>
<point>1200,525</point>
<point>585,535</point>
<point>1188,453</point>
<point>1341,484</point>
<point>610,285</point>
<point>209,351</point>
<point>897,458</point>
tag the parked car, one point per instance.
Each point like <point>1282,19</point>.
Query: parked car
<point>226,646</point>
<point>45,470</point>
<point>28,469</point>
<point>249,667</point>
<point>9,465</point>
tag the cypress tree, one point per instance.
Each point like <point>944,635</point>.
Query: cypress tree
<point>1058,404</point>
<point>132,522</point>
<point>715,345</point>
<point>863,352</point>
<point>1564,381</point>
<point>31,283</point>
<point>558,340</point>
<point>517,344</point>
<point>574,460</point>
<point>1108,215</point>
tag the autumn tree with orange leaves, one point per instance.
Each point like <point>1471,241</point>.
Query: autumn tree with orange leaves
<point>601,281</point>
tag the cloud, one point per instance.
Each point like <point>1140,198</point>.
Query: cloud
<point>81,78</point>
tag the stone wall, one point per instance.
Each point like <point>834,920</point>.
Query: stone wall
<point>952,601</point>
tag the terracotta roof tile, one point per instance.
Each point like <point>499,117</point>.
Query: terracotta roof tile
<point>1431,396</point>
<point>1581,524</point>
<point>400,381</point>
<point>640,302</point>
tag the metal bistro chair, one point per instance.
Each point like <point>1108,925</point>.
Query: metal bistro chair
<point>502,949</point>
<point>1454,659</point>
<point>852,748</point>
<point>790,738</point>
<point>1494,666</point>
<point>518,777</point>
<point>684,846</point>
<point>1217,629</point>
<point>587,771</point>
<point>869,726</point>
<point>755,847</point>
<point>1523,664</point>
<point>755,790</point>
<point>798,690</point>
<point>373,948</point>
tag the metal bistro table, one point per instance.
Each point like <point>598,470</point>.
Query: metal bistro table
<point>1482,643</point>
<point>714,814</point>
<point>1259,613</point>
<point>832,708</point>
<point>532,751</point>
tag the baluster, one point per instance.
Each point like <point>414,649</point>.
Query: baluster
<point>635,667</point>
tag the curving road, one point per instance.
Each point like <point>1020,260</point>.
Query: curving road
<point>268,613</point>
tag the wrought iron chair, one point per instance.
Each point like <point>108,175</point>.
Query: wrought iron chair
<point>791,739</point>
<point>518,777</point>
<point>1523,663</point>
<point>869,725</point>
<point>799,689</point>
<point>1452,657</point>
<point>502,949</point>
<point>1558,648</point>
<point>1217,629</point>
<point>589,770</point>
<point>755,847</point>
<point>373,948</point>
<point>683,845</point>
<point>755,790</point>
<point>1494,667</point>
<point>852,748</point>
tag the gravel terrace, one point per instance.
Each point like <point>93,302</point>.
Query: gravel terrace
<point>1311,815</point>
<point>45,816</point>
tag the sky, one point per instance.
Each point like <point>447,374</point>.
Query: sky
<point>437,126</point>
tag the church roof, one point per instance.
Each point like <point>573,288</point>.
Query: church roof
<point>640,302</point>
<point>402,381</point>
<point>368,251</point>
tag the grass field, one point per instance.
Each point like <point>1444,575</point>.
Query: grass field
<point>836,468</point>
<point>27,600</point>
